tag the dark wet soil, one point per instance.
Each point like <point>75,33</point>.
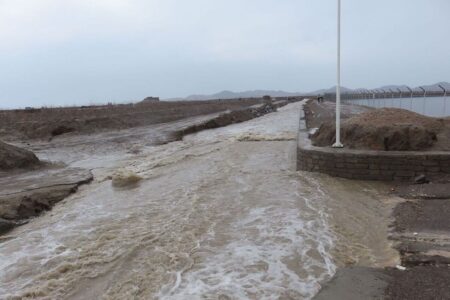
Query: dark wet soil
<point>421,283</point>
<point>422,215</point>
<point>355,283</point>
<point>434,190</point>
<point>28,194</point>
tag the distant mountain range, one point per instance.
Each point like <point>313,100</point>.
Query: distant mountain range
<point>245,94</point>
<point>273,93</point>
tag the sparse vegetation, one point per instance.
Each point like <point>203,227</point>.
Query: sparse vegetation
<point>48,122</point>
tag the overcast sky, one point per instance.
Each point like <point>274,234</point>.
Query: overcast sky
<point>55,52</point>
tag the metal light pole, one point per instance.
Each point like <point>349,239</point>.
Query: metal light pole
<point>338,143</point>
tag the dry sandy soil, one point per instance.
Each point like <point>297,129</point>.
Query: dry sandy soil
<point>45,123</point>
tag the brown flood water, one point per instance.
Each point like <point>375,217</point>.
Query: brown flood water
<point>220,215</point>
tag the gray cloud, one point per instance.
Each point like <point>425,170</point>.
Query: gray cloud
<point>77,52</point>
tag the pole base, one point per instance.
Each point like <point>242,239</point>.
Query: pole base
<point>337,145</point>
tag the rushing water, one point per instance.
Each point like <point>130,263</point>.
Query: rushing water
<point>430,106</point>
<point>220,215</point>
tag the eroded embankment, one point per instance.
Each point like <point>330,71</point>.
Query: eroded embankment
<point>231,117</point>
<point>12,157</point>
<point>26,195</point>
<point>29,186</point>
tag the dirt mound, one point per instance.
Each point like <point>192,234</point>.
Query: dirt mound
<point>388,129</point>
<point>12,157</point>
<point>395,117</point>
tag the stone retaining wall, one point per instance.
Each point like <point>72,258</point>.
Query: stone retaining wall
<point>369,165</point>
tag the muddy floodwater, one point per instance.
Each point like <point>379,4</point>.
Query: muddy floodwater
<point>222,214</point>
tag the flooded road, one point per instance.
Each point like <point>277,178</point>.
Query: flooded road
<point>220,215</point>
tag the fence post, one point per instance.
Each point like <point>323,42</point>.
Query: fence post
<point>400,97</point>
<point>411,91</point>
<point>445,100</point>
<point>384,98</point>
<point>424,98</point>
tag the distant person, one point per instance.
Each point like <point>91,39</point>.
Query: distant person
<point>320,99</point>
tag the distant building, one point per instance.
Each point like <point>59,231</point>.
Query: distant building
<point>150,100</point>
<point>267,99</point>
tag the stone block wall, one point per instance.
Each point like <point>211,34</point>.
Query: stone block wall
<point>371,165</point>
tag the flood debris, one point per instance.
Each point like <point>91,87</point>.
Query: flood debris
<point>123,179</point>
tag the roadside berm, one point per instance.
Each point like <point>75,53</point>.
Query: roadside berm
<point>388,129</point>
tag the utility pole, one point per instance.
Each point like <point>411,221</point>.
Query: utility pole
<point>338,143</point>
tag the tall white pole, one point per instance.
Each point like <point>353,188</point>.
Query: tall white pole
<point>338,143</point>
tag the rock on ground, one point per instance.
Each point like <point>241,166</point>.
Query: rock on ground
<point>12,157</point>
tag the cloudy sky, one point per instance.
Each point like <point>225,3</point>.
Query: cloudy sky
<point>55,52</point>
